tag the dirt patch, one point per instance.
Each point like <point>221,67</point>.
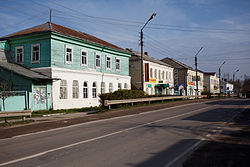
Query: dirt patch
<point>7,132</point>
<point>229,149</point>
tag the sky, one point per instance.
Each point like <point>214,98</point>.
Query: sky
<point>179,29</point>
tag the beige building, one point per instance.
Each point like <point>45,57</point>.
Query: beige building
<point>185,78</point>
<point>157,75</point>
<point>211,82</point>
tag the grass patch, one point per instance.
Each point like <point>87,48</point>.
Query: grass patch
<point>16,123</point>
<point>66,111</point>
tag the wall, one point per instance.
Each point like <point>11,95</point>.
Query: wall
<point>59,43</point>
<point>26,42</point>
<point>81,76</point>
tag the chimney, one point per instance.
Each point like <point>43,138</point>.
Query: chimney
<point>146,53</point>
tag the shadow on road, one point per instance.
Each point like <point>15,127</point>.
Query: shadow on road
<point>160,159</point>
<point>230,102</point>
<point>214,116</point>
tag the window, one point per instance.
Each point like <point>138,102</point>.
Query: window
<point>110,87</point>
<point>84,57</point>
<point>119,86</point>
<point>102,87</point>
<point>63,89</point>
<point>170,75</point>
<point>85,89</point>
<point>75,89</point>
<point>151,73</point>
<point>159,74</point>
<point>94,90</point>
<point>125,86</point>
<point>98,61</point>
<point>108,63</point>
<point>163,75</point>
<point>155,74</point>
<point>69,55</point>
<point>19,54</point>
<point>35,53</point>
<point>117,64</point>
<point>166,75</point>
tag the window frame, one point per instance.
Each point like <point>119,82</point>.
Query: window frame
<point>83,50</point>
<point>111,87</point>
<point>108,68</point>
<point>72,53</point>
<point>75,90</point>
<point>20,47</point>
<point>96,60</point>
<point>39,51</point>
<point>65,90</point>
<point>85,90</point>
<point>94,90</point>
<point>116,64</point>
<point>103,87</point>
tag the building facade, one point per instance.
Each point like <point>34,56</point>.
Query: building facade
<point>185,78</point>
<point>82,65</point>
<point>211,82</point>
<point>157,76</point>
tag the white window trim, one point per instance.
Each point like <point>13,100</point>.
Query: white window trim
<point>83,50</point>
<point>110,62</point>
<point>38,61</point>
<point>20,47</point>
<point>119,64</point>
<point>69,62</point>
<point>100,60</point>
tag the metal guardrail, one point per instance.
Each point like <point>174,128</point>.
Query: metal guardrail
<point>23,114</point>
<point>111,102</point>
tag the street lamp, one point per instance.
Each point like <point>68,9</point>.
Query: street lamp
<point>142,76</point>
<point>196,70</point>
<point>219,76</point>
<point>234,73</point>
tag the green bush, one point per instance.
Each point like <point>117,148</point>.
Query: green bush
<point>206,93</point>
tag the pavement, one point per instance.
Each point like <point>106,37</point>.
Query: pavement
<point>161,137</point>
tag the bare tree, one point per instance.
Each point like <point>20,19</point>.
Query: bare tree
<point>4,94</point>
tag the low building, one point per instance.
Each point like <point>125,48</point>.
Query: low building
<point>157,75</point>
<point>211,82</point>
<point>185,78</point>
<point>83,65</point>
<point>227,88</point>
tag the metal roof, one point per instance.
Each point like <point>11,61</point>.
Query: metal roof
<point>52,27</point>
<point>137,55</point>
<point>21,70</point>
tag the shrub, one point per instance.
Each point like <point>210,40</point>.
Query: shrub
<point>206,93</point>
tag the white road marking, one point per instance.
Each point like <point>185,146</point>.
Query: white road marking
<point>103,120</point>
<point>100,137</point>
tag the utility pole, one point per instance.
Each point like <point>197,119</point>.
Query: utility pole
<point>196,71</point>
<point>142,76</point>
<point>219,77</point>
<point>50,13</point>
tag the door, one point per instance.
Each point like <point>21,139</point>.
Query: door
<point>40,98</point>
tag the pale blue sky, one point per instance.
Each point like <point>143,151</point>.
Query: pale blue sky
<point>180,28</point>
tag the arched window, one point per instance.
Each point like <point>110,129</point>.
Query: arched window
<point>94,90</point>
<point>159,74</point>
<point>63,89</point>
<point>75,89</point>
<point>85,89</point>
<point>110,87</point>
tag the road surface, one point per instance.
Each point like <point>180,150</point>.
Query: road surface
<point>160,138</point>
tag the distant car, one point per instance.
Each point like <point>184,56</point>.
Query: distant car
<point>248,94</point>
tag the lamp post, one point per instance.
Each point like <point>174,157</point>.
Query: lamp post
<point>196,71</point>
<point>142,76</point>
<point>219,76</point>
<point>234,73</point>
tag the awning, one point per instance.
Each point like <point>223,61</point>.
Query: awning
<point>162,86</point>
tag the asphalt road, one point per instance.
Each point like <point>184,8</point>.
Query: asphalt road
<point>159,138</point>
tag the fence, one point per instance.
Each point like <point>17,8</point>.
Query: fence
<point>16,101</point>
<point>108,103</point>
